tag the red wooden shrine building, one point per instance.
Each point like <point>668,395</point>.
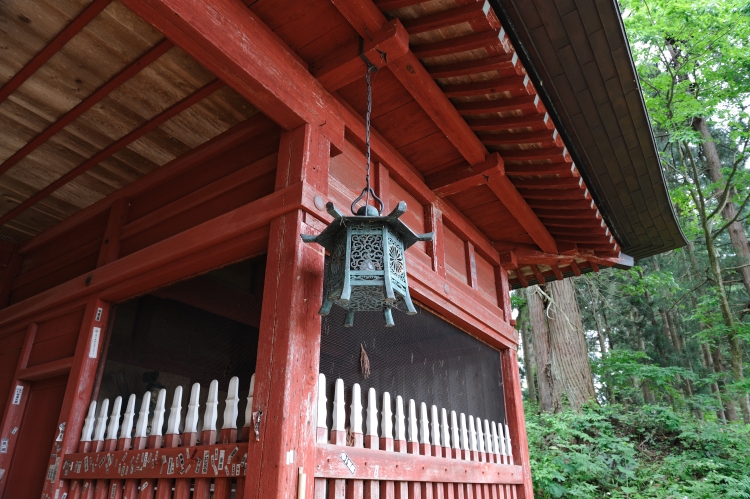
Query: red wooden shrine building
<point>159,161</point>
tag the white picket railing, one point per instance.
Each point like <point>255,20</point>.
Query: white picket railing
<point>120,461</point>
<point>488,439</point>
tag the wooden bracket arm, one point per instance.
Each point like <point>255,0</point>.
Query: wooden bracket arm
<point>345,64</point>
<point>458,179</point>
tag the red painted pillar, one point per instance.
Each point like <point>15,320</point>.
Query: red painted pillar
<point>288,352</point>
<point>78,391</point>
<point>515,418</point>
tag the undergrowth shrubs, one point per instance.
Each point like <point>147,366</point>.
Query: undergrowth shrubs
<point>636,452</point>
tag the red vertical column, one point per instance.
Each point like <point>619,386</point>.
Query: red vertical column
<point>78,391</point>
<point>515,418</point>
<point>289,344</point>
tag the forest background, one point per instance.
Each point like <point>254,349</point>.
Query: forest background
<point>637,381</point>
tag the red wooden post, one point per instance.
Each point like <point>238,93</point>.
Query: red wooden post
<point>19,395</point>
<point>515,417</point>
<point>289,343</point>
<point>503,291</point>
<point>110,248</point>
<point>78,390</point>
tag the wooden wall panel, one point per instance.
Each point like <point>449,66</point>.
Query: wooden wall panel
<point>235,198</point>
<point>10,350</point>
<point>455,255</point>
<point>60,271</point>
<point>414,218</point>
<point>56,338</point>
<point>204,174</point>
<point>486,278</point>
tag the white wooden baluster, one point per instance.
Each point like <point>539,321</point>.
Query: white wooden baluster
<point>480,439</point>
<point>322,433</point>
<point>210,414</point>
<point>488,441</point>
<point>501,438</point>
<point>435,427</point>
<point>355,416</point>
<point>472,439</point>
<point>424,426</point>
<point>249,406</point>
<point>191,416</point>
<point>157,423</point>
<point>400,444</point>
<point>173,423</point>
<point>126,429</point>
<point>386,418</point>
<point>464,439</point>
<point>508,447</point>
<point>231,406</point>
<point>413,437</point>
<point>496,444</point>
<point>142,424</point>
<point>101,426</point>
<point>338,436</point>
<point>445,431</point>
<point>88,424</point>
<point>232,403</point>
<point>114,423</point>
<point>372,420</point>
<point>455,440</point>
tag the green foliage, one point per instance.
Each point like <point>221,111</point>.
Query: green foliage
<point>636,452</point>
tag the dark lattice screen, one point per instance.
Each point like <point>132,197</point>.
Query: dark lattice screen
<point>423,357</point>
<point>194,331</point>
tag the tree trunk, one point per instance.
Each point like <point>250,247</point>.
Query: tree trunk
<point>729,408</point>
<point>648,395</point>
<point>736,232</point>
<point>708,362</point>
<point>540,338</point>
<point>571,370</point>
<point>528,366</point>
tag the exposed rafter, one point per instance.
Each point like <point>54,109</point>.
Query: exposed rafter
<point>231,42</point>
<point>366,18</point>
<point>119,144</point>
<point>52,47</point>
<point>517,206</point>
<point>100,93</point>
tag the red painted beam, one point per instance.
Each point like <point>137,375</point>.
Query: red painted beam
<point>345,65</point>
<point>457,45</point>
<point>234,136</point>
<point>386,5</point>
<point>546,154</point>
<point>546,138</point>
<point>119,144</point>
<point>231,42</point>
<point>539,121</point>
<point>538,274</point>
<point>527,103</point>
<point>549,169</point>
<point>572,206</point>
<point>448,18</point>
<point>502,62</point>
<point>365,17</point>
<point>517,206</point>
<point>458,179</point>
<point>550,183</point>
<point>131,70</point>
<point>52,47</point>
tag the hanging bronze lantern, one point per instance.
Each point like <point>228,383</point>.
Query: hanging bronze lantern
<point>368,266</point>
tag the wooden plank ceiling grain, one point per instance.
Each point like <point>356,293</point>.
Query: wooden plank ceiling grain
<point>111,41</point>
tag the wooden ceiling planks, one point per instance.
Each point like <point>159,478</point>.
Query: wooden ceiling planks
<point>78,107</point>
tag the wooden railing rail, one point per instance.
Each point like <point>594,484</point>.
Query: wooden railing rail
<point>461,459</point>
<point>147,465</point>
